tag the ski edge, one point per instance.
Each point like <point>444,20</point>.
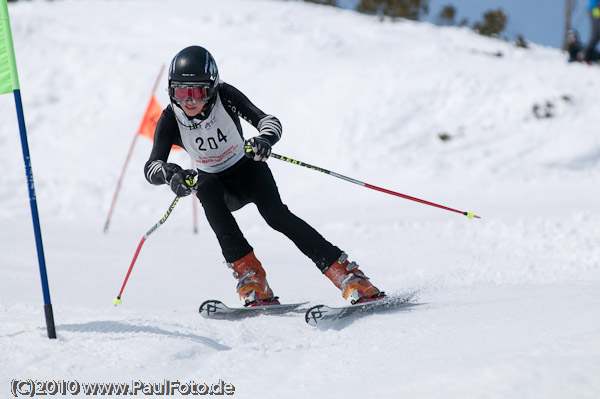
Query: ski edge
<point>220,311</point>
<point>324,316</point>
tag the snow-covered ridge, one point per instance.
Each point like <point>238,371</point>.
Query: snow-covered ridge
<point>329,81</point>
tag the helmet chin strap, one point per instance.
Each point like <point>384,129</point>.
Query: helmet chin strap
<point>183,118</point>
<point>192,122</point>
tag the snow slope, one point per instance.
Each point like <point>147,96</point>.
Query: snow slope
<point>508,305</point>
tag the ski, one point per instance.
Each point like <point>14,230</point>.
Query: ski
<point>325,316</point>
<point>214,309</point>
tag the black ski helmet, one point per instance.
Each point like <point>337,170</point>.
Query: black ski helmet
<point>195,65</point>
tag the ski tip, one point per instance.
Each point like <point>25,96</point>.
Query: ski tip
<point>209,307</point>
<point>210,302</point>
<point>313,315</point>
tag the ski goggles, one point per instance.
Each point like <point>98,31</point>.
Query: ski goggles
<point>184,92</point>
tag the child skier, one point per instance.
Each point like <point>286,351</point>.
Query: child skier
<point>204,118</point>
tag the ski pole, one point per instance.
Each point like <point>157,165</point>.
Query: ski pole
<point>117,300</point>
<point>190,180</point>
<point>470,215</point>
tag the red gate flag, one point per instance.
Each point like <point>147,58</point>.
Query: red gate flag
<point>150,119</point>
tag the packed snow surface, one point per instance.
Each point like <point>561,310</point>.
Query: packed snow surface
<point>508,305</point>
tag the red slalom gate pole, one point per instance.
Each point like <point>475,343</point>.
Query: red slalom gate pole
<point>127,158</point>
<point>194,208</point>
<point>118,188</point>
<point>470,215</point>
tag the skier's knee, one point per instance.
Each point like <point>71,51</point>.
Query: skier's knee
<point>276,216</point>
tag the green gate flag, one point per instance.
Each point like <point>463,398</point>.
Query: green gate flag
<point>9,80</point>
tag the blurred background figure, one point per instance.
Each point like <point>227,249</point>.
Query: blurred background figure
<point>574,46</point>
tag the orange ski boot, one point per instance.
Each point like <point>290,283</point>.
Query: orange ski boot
<point>353,283</point>
<point>252,287</point>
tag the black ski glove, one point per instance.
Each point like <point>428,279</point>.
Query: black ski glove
<point>183,181</point>
<point>258,148</point>
<point>159,172</point>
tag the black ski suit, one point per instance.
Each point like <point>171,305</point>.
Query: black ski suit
<point>227,180</point>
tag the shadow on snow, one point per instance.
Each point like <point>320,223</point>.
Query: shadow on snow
<point>112,327</point>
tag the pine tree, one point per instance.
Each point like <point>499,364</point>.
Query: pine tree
<point>447,15</point>
<point>493,23</point>
<point>323,2</point>
<point>410,9</point>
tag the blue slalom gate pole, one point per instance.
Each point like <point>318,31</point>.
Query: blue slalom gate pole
<point>35,216</point>
<point>9,81</point>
